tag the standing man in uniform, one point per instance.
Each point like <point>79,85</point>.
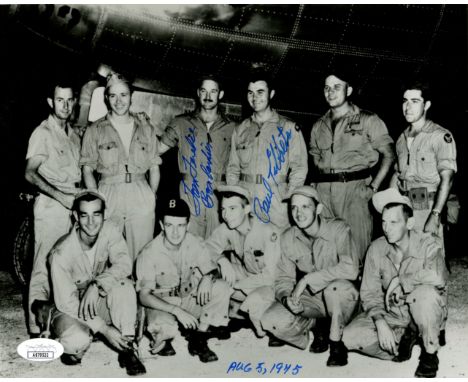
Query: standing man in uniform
<point>52,165</point>
<point>268,154</point>
<point>345,145</point>
<point>176,283</point>
<point>403,290</point>
<point>92,294</point>
<point>314,285</point>
<point>122,149</point>
<point>204,141</point>
<point>253,248</point>
<point>426,160</point>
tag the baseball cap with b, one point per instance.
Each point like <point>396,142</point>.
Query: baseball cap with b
<point>175,207</point>
<point>390,195</point>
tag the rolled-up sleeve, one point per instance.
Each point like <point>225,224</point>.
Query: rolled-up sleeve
<point>377,132</point>
<point>89,152</point>
<point>446,152</point>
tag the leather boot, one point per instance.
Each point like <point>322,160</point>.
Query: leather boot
<point>70,359</point>
<point>338,354</point>
<point>167,350</point>
<point>129,359</point>
<point>408,340</point>
<point>321,332</point>
<point>428,365</point>
<point>198,345</point>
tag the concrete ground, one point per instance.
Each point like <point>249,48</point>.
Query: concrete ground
<point>100,361</point>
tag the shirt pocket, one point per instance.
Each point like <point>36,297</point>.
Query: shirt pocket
<point>426,165</point>
<point>63,158</point>
<point>143,154</point>
<point>244,151</point>
<point>108,153</point>
<point>166,279</point>
<point>354,136</point>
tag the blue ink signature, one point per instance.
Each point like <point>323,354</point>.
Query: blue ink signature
<point>190,164</point>
<point>276,154</point>
<point>262,369</point>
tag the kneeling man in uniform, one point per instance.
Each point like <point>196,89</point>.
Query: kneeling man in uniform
<point>176,284</point>
<point>89,268</point>
<point>314,283</point>
<point>403,290</point>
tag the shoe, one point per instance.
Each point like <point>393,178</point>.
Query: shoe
<point>128,358</point>
<point>321,332</point>
<point>428,365</point>
<point>274,342</point>
<point>442,341</point>
<point>408,340</point>
<point>198,345</point>
<point>236,324</point>
<point>338,354</point>
<point>219,332</point>
<point>167,350</point>
<point>70,359</point>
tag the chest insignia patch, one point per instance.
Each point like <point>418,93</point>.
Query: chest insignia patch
<point>274,237</point>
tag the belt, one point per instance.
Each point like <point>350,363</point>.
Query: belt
<point>122,178</point>
<point>166,292</point>
<point>420,197</point>
<point>216,177</point>
<point>258,178</point>
<point>345,176</point>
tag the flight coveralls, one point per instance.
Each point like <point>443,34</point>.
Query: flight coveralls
<point>423,278</point>
<point>72,273</point>
<point>344,157</point>
<point>269,160</point>
<point>203,157</point>
<point>61,150</point>
<point>130,200</point>
<point>432,151</point>
<point>254,256</point>
<point>333,262</point>
<point>174,276</point>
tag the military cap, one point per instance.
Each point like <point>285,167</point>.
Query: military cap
<point>308,191</point>
<point>390,195</point>
<point>116,78</point>
<point>235,189</point>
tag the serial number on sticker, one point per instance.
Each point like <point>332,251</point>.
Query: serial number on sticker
<point>263,368</point>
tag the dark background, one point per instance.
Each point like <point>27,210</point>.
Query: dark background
<point>168,48</point>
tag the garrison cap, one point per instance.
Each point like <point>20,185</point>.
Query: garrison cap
<point>175,207</point>
<point>390,195</point>
<point>235,189</point>
<point>308,191</point>
<point>116,78</point>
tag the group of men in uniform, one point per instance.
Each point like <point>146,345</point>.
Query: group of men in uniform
<point>227,248</point>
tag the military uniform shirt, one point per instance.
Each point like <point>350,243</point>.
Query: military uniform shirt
<point>104,151</point>
<point>257,251</point>
<point>71,270</point>
<point>423,265</point>
<point>432,151</point>
<point>354,143</point>
<point>158,267</point>
<point>61,150</point>
<point>329,257</point>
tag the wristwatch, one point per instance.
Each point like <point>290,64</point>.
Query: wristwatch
<point>435,213</point>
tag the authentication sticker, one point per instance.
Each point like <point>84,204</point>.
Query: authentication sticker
<point>40,349</point>
<point>448,138</point>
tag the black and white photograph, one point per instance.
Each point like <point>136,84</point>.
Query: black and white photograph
<point>234,190</point>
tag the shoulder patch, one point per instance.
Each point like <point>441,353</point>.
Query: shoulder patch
<point>274,237</point>
<point>448,138</point>
<point>297,127</point>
